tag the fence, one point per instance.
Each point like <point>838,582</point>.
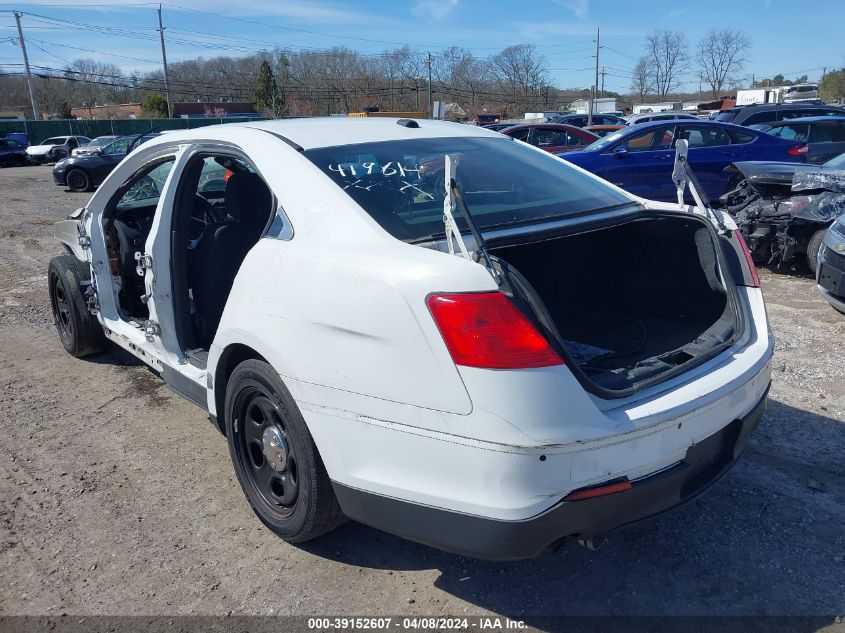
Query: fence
<point>40,130</point>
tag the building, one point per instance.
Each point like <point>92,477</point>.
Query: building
<point>644,108</point>
<point>105,112</point>
<point>600,106</point>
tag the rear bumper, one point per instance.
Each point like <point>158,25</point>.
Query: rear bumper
<point>704,463</point>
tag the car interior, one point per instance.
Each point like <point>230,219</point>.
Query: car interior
<point>221,209</point>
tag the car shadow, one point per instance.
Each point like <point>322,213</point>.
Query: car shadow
<point>768,539</point>
<point>114,355</point>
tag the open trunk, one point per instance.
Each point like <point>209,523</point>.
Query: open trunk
<point>630,304</point>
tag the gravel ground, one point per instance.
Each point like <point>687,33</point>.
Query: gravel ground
<point>117,497</point>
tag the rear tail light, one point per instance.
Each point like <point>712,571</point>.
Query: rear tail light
<point>749,262</point>
<point>599,491</point>
<point>485,329</point>
<point>798,150</point>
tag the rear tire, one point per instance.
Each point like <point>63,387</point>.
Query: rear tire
<point>813,247</point>
<point>79,331</point>
<point>286,484</point>
<point>78,180</point>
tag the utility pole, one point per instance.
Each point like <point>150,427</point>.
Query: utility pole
<point>601,94</point>
<point>164,62</point>
<point>35,114</point>
<point>430,102</point>
<point>824,72</point>
<point>596,84</point>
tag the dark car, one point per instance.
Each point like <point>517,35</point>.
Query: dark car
<point>824,135</point>
<point>83,173</point>
<point>552,137</point>
<point>784,209</point>
<point>580,120</point>
<point>487,119</point>
<point>12,152</point>
<point>640,157</point>
<point>20,137</point>
<point>773,112</point>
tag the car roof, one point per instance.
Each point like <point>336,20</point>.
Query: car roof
<point>559,126</point>
<point>696,121</point>
<point>312,133</point>
<point>668,114</point>
<point>792,106</point>
<point>808,119</point>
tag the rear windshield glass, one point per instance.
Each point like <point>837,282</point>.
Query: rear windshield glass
<point>726,115</point>
<point>401,183</point>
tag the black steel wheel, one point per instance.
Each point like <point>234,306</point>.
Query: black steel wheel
<point>78,180</point>
<point>274,456</point>
<point>270,461</point>
<point>79,331</point>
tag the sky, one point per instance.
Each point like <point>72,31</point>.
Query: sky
<point>124,31</point>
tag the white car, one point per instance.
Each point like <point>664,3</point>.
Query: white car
<point>94,145</point>
<point>52,149</point>
<point>573,360</point>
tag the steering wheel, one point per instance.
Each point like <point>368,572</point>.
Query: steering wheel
<point>204,213</point>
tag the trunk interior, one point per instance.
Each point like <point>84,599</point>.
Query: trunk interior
<point>630,303</point>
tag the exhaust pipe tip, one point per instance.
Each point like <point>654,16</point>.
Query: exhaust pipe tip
<point>593,543</point>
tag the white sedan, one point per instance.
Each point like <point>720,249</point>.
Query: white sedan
<point>54,148</point>
<point>426,327</point>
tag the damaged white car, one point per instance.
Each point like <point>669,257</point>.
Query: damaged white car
<point>426,327</point>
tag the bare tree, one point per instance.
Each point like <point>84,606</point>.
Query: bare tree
<point>721,56</point>
<point>642,82</point>
<point>668,59</point>
<point>522,74</point>
<point>95,82</point>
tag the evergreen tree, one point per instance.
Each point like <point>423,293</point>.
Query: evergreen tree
<point>267,98</point>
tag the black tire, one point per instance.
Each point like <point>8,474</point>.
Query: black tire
<point>813,247</point>
<point>79,331</point>
<point>294,498</point>
<point>78,180</point>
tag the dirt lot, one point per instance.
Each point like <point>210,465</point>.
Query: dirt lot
<point>117,497</point>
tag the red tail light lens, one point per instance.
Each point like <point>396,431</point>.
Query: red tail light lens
<point>484,329</point>
<point>599,491</point>
<point>752,269</point>
<point>799,150</point>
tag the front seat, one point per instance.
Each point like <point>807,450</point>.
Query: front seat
<point>224,246</point>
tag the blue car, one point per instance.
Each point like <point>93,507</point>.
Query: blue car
<point>640,158</point>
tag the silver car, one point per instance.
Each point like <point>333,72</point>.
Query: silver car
<point>830,273</point>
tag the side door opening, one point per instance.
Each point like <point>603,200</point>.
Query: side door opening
<point>127,222</point>
<point>221,210</point>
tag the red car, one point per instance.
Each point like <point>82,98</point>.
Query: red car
<point>552,137</point>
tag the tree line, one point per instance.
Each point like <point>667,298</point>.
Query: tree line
<point>305,83</point>
<point>281,82</point>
